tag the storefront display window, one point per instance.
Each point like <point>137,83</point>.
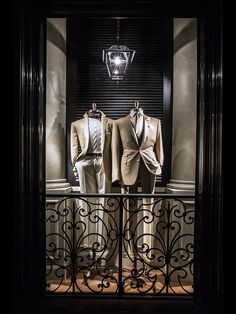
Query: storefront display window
<point>120,137</point>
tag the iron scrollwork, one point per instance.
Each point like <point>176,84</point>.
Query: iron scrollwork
<point>119,244</point>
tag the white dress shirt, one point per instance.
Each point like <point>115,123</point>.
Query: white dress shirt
<point>94,135</point>
<point>136,117</point>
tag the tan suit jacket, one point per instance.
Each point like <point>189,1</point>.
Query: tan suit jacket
<point>150,149</point>
<point>80,141</point>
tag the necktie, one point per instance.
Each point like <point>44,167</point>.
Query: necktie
<point>139,124</point>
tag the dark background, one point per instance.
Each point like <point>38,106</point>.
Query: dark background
<point>88,80</point>
<point>27,150</point>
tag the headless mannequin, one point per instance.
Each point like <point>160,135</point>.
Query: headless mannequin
<point>91,158</point>
<point>145,178</point>
<point>90,169</point>
<point>140,137</point>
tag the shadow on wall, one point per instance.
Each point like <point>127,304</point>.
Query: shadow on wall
<point>56,151</point>
<point>54,36</point>
<point>182,165</point>
<point>185,36</point>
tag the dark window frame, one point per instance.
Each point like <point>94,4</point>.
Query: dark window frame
<point>29,153</point>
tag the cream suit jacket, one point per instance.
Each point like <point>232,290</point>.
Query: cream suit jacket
<point>125,168</point>
<point>80,141</point>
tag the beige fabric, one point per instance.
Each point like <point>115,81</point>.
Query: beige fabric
<point>139,126</point>
<point>80,141</point>
<point>92,180</point>
<point>136,117</point>
<point>125,168</point>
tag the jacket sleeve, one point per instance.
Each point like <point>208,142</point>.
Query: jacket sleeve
<point>115,149</point>
<point>159,144</point>
<point>74,145</point>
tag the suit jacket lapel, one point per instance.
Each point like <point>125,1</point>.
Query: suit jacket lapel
<point>132,130</point>
<point>146,129</point>
<point>103,130</point>
<point>86,133</point>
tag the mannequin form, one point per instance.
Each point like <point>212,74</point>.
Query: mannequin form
<point>142,157</point>
<point>141,139</point>
<point>91,139</point>
<point>94,113</point>
<point>91,160</point>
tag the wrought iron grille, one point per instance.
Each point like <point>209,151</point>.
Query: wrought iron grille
<point>119,244</point>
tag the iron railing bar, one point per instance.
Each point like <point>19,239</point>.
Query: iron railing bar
<point>120,283</point>
<point>118,195</point>
<point>167,261</point>
<point>122,198</point>
<point>73,249</point>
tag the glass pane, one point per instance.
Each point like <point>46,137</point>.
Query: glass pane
<point>120,192</point>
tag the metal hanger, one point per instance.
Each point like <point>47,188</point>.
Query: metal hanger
<point>94,112</point>
<point>136,105</point>
<point>138,110</point>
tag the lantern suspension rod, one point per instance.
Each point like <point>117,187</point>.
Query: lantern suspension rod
<point>118,30</point>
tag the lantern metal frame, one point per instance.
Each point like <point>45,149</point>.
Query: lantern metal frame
<point>117,58</point>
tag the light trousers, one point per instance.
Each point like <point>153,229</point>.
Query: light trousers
<point>141,223</point>
<point>92,180</point>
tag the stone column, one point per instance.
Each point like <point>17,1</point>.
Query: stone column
<point>56,106</point>
<point>184,136</point>
<point>184,106</point>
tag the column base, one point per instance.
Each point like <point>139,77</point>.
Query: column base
<point>180,187</point>
<point>59,185</point>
